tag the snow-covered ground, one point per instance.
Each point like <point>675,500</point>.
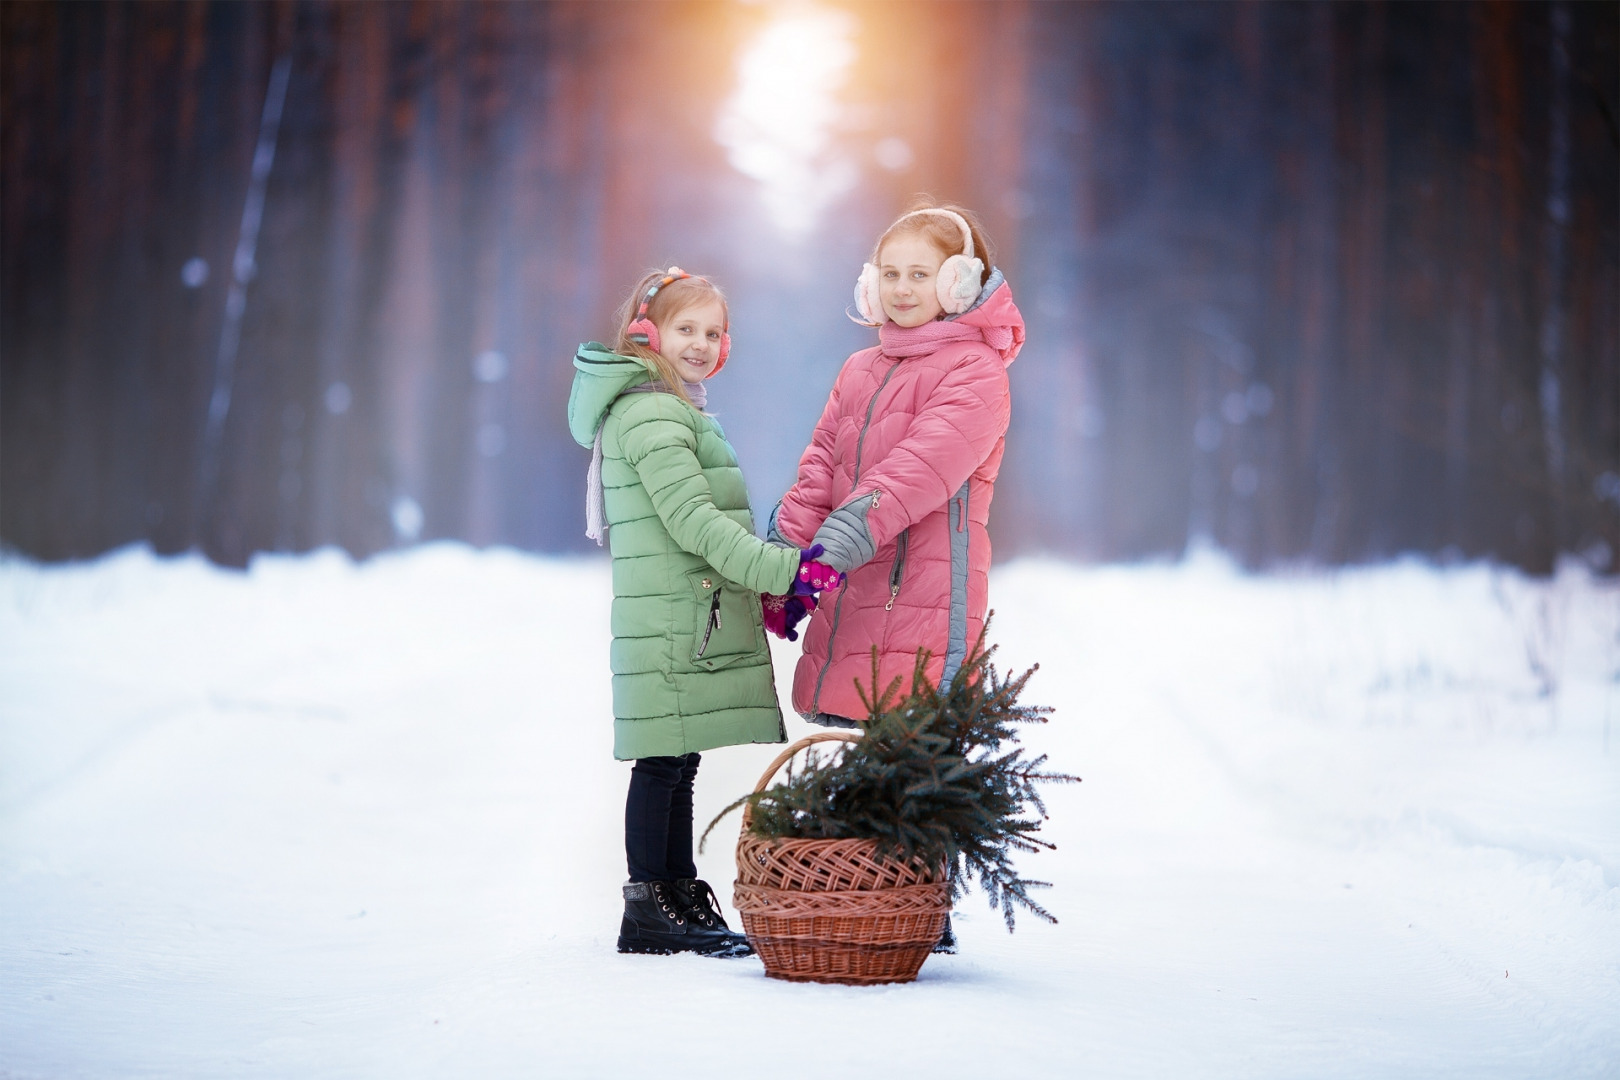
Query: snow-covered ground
<point>333,820</point>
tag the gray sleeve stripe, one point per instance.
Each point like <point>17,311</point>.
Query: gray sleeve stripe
<point>846,537</point>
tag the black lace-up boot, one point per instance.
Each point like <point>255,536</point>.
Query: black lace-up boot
<point>654,923</point>
<point>701,908</point>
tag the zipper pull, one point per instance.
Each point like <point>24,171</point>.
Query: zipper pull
<point>875,494</point>
<point>710,625</point>
<point>900,544</point>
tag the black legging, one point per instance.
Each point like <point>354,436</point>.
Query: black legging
<point>658,818</point>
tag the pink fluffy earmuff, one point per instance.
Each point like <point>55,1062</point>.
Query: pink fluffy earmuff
<point>956,284</point>
<point>642,331</point>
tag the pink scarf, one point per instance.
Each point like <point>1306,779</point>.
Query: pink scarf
<point>900,341</point>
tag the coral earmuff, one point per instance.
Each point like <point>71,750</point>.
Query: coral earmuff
<point>957,283</point>
<point>642,331</point>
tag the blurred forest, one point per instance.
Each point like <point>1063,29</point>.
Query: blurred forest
<point>1309,282</point>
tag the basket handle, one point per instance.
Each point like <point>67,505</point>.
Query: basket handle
<point>782,759</point>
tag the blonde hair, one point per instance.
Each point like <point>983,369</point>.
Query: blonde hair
<point>940,231</point>
<point>671,300</point>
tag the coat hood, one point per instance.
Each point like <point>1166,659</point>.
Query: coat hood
<point>995,314</point>
<point>600,376</point>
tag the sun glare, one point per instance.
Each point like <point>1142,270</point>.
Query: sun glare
<point>778,125</point>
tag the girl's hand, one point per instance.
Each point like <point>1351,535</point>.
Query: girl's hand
<point>796,610</point>
<point>815,576</point>
<point>774,609</point>
<point>784,613</point>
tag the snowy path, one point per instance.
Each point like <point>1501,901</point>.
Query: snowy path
<point>322,820</point>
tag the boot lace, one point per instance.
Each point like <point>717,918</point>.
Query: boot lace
<point>701,908</point>
<point>662,897</point>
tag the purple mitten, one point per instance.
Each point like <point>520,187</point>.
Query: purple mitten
<point>794,611</point>
<point>815,576</point>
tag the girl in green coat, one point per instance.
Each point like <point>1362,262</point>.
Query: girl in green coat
<point>691,669</point>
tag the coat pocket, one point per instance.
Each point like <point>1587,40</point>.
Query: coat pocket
<point>727,626</point>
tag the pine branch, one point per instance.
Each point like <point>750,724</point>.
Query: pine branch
<point>938,777</point>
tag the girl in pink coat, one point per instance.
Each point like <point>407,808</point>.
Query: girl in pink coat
<point>897,480</point>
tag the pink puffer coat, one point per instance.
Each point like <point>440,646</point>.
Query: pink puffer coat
<point>896,483</point>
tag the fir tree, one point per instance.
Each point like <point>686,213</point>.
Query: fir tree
<point>938,776</point>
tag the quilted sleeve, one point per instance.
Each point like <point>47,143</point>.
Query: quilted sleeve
<point>954,431</point>
<point>660,443</point>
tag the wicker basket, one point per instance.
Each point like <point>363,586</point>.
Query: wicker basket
<point>831,910</point>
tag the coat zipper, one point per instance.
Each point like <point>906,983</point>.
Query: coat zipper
<point>838,607</point>
<point>710,626</point>
<point>860,443</point>
<point>899,566</point>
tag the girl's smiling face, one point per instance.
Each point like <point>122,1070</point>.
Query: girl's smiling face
<point>690,339</point>
<point>907,267</point>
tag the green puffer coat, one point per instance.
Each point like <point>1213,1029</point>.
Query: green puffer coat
<point>691,669</point>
